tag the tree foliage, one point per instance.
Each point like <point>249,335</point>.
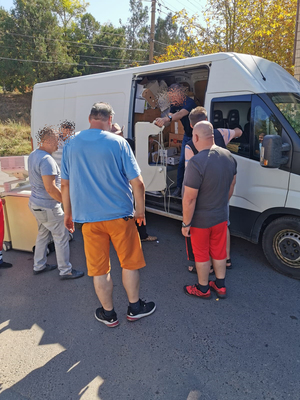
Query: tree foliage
<point>30,33</point>
<point>261,27</point>
<point>43,40</point>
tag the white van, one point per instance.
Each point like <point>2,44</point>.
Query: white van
<point>237,90</point>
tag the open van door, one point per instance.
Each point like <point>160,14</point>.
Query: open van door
<point>154,175</point>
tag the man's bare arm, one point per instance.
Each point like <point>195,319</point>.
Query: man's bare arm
<point>51,188</point>
<point>188,154</point>
<point>138,189</point>
<point>188,207</point>
<point>65,191</point>
<point>165,121</point>
<point>232,187</point>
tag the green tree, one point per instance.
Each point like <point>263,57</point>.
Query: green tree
<point>137,32</point>
<point>259,27</point>
<point>105,50</point>
<point>167,32</point>
<point>68,11</point>
<point>33,49</point>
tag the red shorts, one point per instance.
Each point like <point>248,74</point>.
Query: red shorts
<point>209,242</point>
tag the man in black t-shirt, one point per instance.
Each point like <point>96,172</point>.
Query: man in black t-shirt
<point>208,184</point>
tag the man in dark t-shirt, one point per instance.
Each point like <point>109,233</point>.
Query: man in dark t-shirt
<point>181,106</point>
<point>208,184</point>
<point>221,137</point>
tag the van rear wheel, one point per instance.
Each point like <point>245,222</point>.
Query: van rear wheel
<point>281,245</point>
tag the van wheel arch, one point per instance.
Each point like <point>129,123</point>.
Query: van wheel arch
<point>281,245</point>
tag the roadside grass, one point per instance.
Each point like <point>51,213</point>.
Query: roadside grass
<point>15,136</point>
<point>15,139</point>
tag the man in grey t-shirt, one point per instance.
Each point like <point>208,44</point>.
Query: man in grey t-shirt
<point>208,184</point>
<point>45,205</point>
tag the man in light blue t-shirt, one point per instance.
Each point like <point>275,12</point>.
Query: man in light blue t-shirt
<point>45,205</point>
<point>99,178</point>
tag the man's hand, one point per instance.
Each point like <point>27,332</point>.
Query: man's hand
<point>186,231</point>
<point>140,218</point>
<point>69,224</point>
<point>161,121</point>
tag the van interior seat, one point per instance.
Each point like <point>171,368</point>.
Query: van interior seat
<point>233,119</point>
<point>218,121</point>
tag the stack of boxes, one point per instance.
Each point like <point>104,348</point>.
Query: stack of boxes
<point>151,103</point>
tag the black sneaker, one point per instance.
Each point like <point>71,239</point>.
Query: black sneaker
<point>111,322</point>
<point>145,310</point>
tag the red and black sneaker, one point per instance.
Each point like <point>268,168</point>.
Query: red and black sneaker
<point>221,292</point>
<point>192,290</point>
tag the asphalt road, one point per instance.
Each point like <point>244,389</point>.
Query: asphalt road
<point>244,347</point>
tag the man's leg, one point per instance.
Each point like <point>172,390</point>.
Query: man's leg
<point>131,283</point>
<point>43,238</point>
<point>200,246</point>
<point>180,170</point>
<point>60,235</point>
<point>218,251</point>
<point>126,241</point>
<point>96,248</point>
<point>219,268</point>
<point>203,269</point>
<point>104,290</point>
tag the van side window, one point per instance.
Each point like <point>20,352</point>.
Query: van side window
<point>228,115</point>
<point>265,123</point>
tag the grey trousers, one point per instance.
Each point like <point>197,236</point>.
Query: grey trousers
<point>51,222</point>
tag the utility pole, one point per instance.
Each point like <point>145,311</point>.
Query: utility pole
<point>151,52</point>
<point>296,58</point>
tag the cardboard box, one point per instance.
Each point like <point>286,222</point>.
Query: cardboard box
<point>150,98</point>
<point>147,116</point>
<point>175,140</point>
<point>153,86</point>
<point>177,127</point>
<point>173,160</point>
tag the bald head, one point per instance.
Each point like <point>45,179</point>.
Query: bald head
<point>204,130</point>
<point>203,135</point>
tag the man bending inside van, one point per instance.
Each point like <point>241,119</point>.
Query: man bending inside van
<point>181,105</point>
<point>99,174</point>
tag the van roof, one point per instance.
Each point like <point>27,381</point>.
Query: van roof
<point>255,73</point>
<point>149,68</point>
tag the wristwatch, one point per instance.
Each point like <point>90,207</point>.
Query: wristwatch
<point>186,225</point>
<point>170,117</point>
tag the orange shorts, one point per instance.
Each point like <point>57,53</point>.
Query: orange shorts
<point>125,239</point>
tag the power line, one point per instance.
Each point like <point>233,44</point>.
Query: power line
<point>84,56</point>
<point>56,62</point>
<point>80,44</point>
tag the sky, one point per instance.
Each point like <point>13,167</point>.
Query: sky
<point>112,10</point>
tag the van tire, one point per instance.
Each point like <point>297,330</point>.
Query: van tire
<point>281,245</point>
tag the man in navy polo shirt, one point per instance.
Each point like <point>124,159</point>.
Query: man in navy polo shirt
<point>181,106</point>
